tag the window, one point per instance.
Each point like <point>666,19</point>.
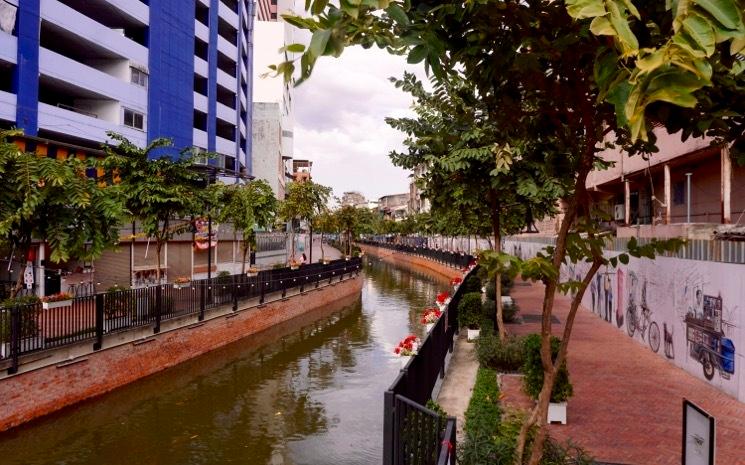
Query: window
<point>134,119</point>
<point>139,77</point>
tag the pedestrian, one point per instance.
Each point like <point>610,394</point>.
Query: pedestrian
<point>303,259</point>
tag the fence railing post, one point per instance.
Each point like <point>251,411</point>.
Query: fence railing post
<point>158,306</point>
<point>262,289</point>
<point>15,338</point>
<point>99,322</point>
<point>388,427</point>
<point>202,300</point>
<point>234,290</point>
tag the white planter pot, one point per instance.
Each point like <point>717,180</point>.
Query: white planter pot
<point>557,413</point>
<point>4,349</point>
<point>441,306</point>
<point>58,304</point>
<point>404,359</point>
<point>507,300</point>
<point>472,334</point>
<point>252,274</point>
<point>182,286</point>
<point>428,326</point>
<point>294,267</point>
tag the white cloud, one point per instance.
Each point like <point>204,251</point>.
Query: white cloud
<point>340,123</point>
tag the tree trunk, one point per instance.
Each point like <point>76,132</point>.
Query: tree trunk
<point>246,247</point>
<point>496,228</point>
<point>323,256</point>
<point>310,247</point>
<point>158,246</point>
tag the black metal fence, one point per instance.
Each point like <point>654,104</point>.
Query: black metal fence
<point>456,260</point>
<point>32,327</point>
<point>408,425</point>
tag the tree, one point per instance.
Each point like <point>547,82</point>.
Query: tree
<point>479,178</point>
<point>347,218</point>
<point>247,206</point>
<point>325,223</point>
<point>555,87</point>
<point>158,192</point>
<point>304,201</point>
<point>54,201</point>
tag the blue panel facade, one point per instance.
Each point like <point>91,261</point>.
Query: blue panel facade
<point>26,76</point>
<point>249,90</point>
<point>171,63</point>
<point>212,79</point>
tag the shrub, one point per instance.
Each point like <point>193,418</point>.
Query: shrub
<point>470,311</point>
<point>533,370</point>
<point>482,421</point>
<point>505,356</point>
<point>491,288</point>
<point>471,284</point>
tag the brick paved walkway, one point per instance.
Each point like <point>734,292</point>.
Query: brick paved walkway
<point>627,404</point>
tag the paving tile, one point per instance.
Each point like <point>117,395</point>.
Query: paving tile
<point>627,403</point>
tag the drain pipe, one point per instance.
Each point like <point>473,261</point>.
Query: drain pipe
<point>688,202</point>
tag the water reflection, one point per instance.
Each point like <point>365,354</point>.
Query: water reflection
<point>305,392</point>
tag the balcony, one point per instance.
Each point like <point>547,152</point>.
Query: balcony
<point>225,146</point>
<point>200,67</point>
<point>73,73</point>
<point>201,31</point>
<point>228,49</point>
<point>113,13</point>
<point>7,106</point>
<point>227,14</point>
<point>200,138</point>
<point>8,47</point>
<point>226,80</point>
<point>87,33</point>
<point>226,113</point>
<point>200,102</point>
<point>61,120</point>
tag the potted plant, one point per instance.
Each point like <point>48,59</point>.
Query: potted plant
<point>442,300</point>
<point>28,305</point>
<point>456,282</point>
<point>294,264</point>
<point>252,272</point>
<point>407,348</point>
<point>533,378</point>
<point>430,317</point>
<point>182,282</point>
<point>61,299</point>
<point>470,314</point>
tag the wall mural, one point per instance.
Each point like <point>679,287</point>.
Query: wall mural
<point>687,311</point>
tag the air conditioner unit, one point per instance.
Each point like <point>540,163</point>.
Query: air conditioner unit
<point>619,212</point>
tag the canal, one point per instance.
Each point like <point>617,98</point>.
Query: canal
<point>309,391</point>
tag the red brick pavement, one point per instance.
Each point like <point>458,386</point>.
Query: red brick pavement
<point>627,403</point>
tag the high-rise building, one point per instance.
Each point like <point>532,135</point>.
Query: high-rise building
<point>272,98</point>
<point>71,70</point>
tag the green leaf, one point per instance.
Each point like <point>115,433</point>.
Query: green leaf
<point>397,14</point>
<point>294,48</point>
<point>319,6</point>
<point>624,258</point>
<point>318,42</point>
<point>701,31</point>
<point>601,26</point>
<point>725,11</point>
<point>417,54</point>
<point>581,9</point>
<point>629,43</point>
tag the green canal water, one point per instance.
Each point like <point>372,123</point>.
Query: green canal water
<point>309,391</point>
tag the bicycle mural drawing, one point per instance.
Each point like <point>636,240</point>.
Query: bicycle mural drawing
<point>639,317</point>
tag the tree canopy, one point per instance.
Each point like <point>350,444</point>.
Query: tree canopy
<point>54,200</point>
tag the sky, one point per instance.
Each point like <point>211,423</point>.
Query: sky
<point>339,122</point>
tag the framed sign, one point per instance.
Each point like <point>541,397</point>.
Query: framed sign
<point>698,435</point>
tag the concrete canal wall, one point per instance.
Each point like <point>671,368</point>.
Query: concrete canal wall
<point>50,381</point>
<point>411,261</point>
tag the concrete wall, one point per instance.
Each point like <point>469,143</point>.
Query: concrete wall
<point>412,261</point>
<point>672,288</point>
<point>267,146</point>
<point>61,383</point>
